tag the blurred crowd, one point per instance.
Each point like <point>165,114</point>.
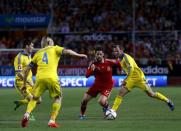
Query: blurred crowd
<point>26,7</point>
<point>146,50</point>
<point>115,15</point>
<point>101,15</point>
<point>104,16</point>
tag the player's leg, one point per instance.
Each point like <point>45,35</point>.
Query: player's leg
<point>156,95</point>
<point>93,91</point>
<point>55,111</point>
<point>125,89</point>
<point>119,98</point>
<point>161,97</point>
<point>19,103</point>
<point>83,106</point>
<point>56,93</point>
<point>39,101</point>
<point>39,88</point>
<point>24,94</point>
<point>105,93</point>
<point>31,105</point>
<point>103,101</point>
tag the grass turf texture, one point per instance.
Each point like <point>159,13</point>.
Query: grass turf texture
<point>137,113</point>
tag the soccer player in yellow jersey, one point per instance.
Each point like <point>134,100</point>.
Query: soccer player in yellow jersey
<point>135,78</point>
<point>22,59</point>
<point>47,60</point>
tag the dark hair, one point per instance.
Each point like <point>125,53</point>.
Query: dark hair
<point>98,48</point>
<point>26,42</point>
<point>115,46</point>
<point>120,47</point>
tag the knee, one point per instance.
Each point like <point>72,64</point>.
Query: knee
<point>39,101</point>
<point>29,97</point>
<point>101,102</point>
<point>121,93</point>
<point>35,98</point>
<point>58,99</point>
<point>151,94</point>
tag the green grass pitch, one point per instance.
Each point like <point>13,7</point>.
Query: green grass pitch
<point>137,113</point>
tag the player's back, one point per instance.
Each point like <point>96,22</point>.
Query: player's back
<point>47,61</point>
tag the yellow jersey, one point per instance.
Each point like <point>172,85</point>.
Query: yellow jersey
<point>130,67</point>
<point>47,60</point>
<point>20,62</point>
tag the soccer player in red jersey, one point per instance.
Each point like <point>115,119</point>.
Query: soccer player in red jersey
<point>101,68</point>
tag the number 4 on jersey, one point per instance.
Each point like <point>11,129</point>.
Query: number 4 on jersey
<point>45,58</point>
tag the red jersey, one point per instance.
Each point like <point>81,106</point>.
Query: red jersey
<point>103,71</point>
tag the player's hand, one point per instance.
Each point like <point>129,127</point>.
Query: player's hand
<point>123,83</point>
<point>30,83</point>
<point>83,56</point>
<point>93,67</point>
<point>23,90</point>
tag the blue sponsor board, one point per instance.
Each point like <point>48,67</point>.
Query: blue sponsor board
<point>81,81</point>
<point>24,20</point>
<point>7,71</point>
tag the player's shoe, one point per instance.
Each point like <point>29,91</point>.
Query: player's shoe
<point>32,118</point>
<point>24,122</point>
<point>17,105</point>
<point>82,117</point>
<point>104,109</point>
<point>53,124</point>
<point>171,105</point>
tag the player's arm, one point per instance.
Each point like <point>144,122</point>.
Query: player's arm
<point>130,68</point>
<point>113,62</point>
<point>73,53</point>
<point>90,70</point>
<point>18,66</point>
<point>21,76</point>
<point>116,63</point>
<point>27,69</point>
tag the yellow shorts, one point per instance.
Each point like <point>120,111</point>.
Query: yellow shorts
<point>140,83</point>
<point>19,84</point>
<point>42,85</point>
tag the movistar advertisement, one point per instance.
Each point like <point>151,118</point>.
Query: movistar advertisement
<point>81,81</point>
<point>24,20</point>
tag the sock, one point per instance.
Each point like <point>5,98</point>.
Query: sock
<point>31,106</point>
<point>23,101</point>
<point>117,102</point>
<point>105,105</point>
<point>55,109</point>
<point>161,97</point>
<point>27,115</point>
<point>83,108</point>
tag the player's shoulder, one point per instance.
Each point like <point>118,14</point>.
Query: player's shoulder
<point>19,55</point>
<point>43,49</point>
<point>109,61</point>
<point>127,55</point>
<point>16,56</point>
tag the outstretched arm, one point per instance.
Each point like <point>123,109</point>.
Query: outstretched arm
<point>73,53</point>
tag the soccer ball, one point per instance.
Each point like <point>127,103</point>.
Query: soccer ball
<point>110,114</point>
